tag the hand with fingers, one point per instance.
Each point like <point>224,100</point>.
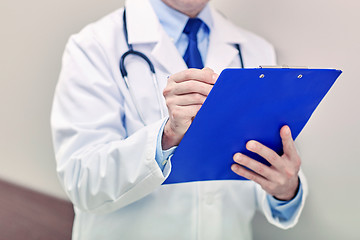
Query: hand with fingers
<point>281,178</point>
<point>185,93</point>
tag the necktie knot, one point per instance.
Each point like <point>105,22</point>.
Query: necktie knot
<point>192,27</point>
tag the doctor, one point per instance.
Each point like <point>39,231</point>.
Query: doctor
<point>114,139</point>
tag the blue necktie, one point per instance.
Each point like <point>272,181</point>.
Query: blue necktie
<point>192,55</point>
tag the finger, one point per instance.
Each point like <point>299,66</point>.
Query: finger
<point>271,156</point>
<point>192,87</point>
<point>184,113</point>
<point>241,171</point>
<point>187,99</point>
<point>188,113</point>
<point>191,111</point>
<point>209,70</point>
<point>257,167</point>
<point>214,75</point>
<point>193,74</point>
<point>287,140</point>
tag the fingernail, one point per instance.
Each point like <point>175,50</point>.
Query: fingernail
<point>251,145</point>
<point>287,130</point>
<point>237,157</point>
<point>234,167</point>
<point>214,76</point>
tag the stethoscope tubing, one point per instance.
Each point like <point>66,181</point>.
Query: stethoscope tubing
<point>124,73</point>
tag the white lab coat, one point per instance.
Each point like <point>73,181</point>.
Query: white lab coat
<point>106,157</point>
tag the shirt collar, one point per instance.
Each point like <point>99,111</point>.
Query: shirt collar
<point>174,21</point>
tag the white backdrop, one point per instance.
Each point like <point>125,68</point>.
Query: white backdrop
<point>320,33</point>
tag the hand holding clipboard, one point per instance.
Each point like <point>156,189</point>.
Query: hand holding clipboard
<point>247,104</point>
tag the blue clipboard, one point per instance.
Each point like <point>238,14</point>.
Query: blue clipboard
<point>247,104</point>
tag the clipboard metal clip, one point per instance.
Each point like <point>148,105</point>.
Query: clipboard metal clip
<point>283,67</point>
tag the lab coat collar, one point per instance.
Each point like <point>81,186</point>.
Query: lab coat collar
<point>223,38</point>
<point>225,30</point>
<point>144,28</point>
<point>143,24</point>
<point>174,21</point>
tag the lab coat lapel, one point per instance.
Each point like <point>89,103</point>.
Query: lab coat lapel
<point>223,38</point>
<point>166,53</point>
<point>220,55</point>
<point>145,28</point>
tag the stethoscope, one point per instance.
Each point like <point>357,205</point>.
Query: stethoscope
<point>124,73</point>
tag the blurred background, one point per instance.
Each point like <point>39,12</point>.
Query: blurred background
<point>321,33</point>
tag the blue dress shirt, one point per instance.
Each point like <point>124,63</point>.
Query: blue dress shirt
<point>173,23</point>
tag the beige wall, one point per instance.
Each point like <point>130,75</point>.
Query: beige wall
<point>321,33</point>
<point>32,36</point>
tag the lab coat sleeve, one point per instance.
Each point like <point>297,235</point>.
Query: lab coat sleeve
<point>100,167</point>
<point>264,207</point>
<point>163,156</point>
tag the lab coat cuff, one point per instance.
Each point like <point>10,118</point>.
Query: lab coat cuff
<point>278,220</point>
<point>285,209</point>
<point>162,156</point>
<point>144,182</point>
